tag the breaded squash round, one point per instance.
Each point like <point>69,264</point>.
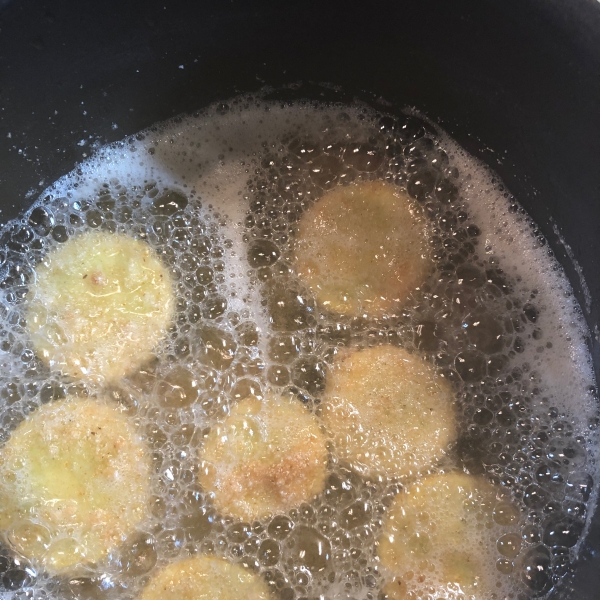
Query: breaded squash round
<point>74,482</point>
<point>387,412</point>
<point>436,540</point>
<point>362,249</point>
<point>265,458</point>
<point>205,578</point>
<point>98,306</point>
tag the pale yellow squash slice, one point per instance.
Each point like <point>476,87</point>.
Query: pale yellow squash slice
<point>436,541</point>
<point>74,482</point>
<point>98,306</point>
<point>205,578</point>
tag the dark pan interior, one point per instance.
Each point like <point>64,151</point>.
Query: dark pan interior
<point>516,82</point>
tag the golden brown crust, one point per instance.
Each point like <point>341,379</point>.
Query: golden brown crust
<point>266,457</point>
<point>387,412</point>
<point>362,249</point>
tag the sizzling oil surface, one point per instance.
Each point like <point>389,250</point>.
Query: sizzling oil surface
<point>219,197</point>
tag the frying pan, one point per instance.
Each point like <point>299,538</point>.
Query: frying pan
<point>515,82</point>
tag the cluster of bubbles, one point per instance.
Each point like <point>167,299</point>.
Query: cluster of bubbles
<point>478,324</point>
<point>470,318</point>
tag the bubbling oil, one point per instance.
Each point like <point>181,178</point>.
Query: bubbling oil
<point>218,196</point>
